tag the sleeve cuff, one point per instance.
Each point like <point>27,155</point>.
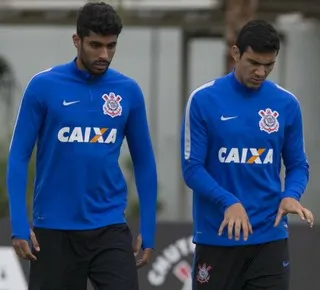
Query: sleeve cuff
<point>229,202</point>
<point>20,229</point>
<point>291,194</point>
<point>147,243</point>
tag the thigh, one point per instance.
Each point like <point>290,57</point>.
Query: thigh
<point>217,268</point>
<point>270,268</point>
<point>56,267</point>
<point>113,266</point>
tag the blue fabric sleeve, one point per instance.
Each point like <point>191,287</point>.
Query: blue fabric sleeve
<point>140,147</point>
<point>294,156</point>
<point>29,120</point>
<point>194,144</point>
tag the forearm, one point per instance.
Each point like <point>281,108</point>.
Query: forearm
<point>296,181</point>
<point>16,189</point>
<point>146,181</point>
<point>202,183</point>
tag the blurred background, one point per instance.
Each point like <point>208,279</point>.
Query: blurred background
<point>170,47</point>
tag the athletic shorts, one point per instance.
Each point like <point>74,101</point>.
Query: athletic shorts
<point>255,267</point>
<point>67,259</point>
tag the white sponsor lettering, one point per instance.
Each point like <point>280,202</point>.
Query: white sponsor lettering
<point>246,155</point>
<point>87,135</point>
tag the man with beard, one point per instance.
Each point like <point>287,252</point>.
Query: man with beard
<point>236,131</point>
<point>79,114</point>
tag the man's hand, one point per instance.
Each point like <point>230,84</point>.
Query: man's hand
<point>22,247</point>
<point>146,255</point>
<point>235,217</point>
<point>290,205</point>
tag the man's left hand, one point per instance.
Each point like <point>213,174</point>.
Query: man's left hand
<point>290,205</point>
<point>146,254</point>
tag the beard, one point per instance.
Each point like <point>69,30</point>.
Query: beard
<point>97,67</point>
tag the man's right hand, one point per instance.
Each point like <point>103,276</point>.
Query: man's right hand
<point>22,247</point>
<point>236,218</point>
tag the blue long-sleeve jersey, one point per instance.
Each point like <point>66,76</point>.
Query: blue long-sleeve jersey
<point>78,123</point>
<point>232,142</point>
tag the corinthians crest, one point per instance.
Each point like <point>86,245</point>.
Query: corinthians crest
<point>112,106</point>
<point>203,273</point>
<point>269,122</point>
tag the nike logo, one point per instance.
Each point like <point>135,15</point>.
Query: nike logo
<point>285,264</point>
<point>65,103</point>
<point>227,118</point>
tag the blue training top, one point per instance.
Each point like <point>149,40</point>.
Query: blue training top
<point>79,122</point>
<point>232,142</point>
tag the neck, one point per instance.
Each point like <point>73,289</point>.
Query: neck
<point>80,64</point>
<point>240,86</point>
<point>237,76</point>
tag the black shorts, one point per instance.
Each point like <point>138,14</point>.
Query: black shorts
<point>67,259</point>
<point>255,267</point>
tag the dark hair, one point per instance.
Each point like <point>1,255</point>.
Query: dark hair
<point>260,36</point>
<point>99,18</point>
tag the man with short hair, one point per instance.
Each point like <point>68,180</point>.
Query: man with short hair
<point>236,130</point>
<point>79,113</point>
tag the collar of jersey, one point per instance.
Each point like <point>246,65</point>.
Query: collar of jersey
<point>241,87</point>
<point>85,75</point>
